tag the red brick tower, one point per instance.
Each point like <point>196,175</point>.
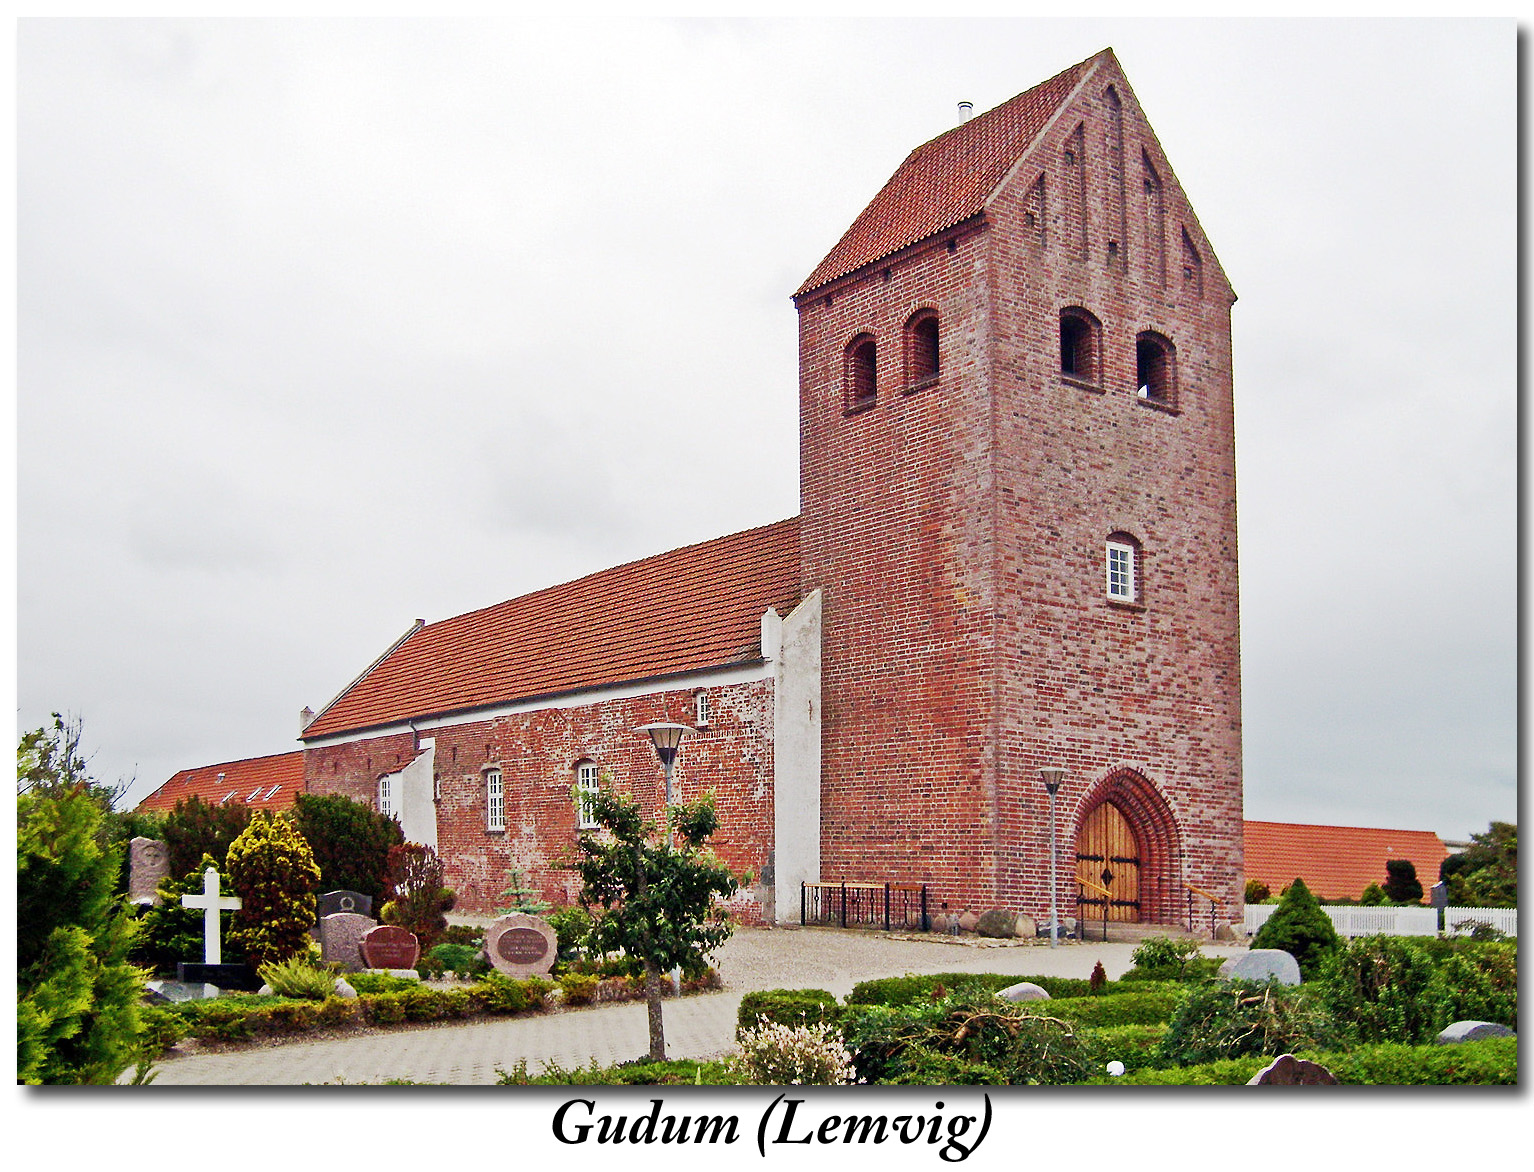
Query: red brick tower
<point>1018,493</point>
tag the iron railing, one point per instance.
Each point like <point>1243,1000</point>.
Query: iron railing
<point>1214,902</point>
<point>865,905</point>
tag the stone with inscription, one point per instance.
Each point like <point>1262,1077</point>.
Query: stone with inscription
<point>148,863</point>
<point>520,945</point>
<point>389,947</point>
<point>1288,1071</point>
<point>1262,964</point>
<point>333,902</point>
<point>1472,1031</point>
<point>341,936</point>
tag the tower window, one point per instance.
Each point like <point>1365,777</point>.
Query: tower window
<point>386,796</point>
<point>1079,345</point>
<point>588,777</point>
<point>921,349</point>
<point>862,380</point>
<point>701,714</point>
<point>1155,370</point>
<point>1123,568</point>
<point>495,800</point>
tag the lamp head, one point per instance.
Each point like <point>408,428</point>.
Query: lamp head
<point>666,738</point>
<point>1051,775</point>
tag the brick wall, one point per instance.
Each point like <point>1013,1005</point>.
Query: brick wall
<point>537,753</point>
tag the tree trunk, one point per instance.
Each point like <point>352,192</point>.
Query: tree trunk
<point>652,1003</point>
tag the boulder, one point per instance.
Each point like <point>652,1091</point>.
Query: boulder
<point>968,921</point>
<point>1228,933</point>
<point>1472,1031</point>
<point>1023,991</point>
<point>997,923</point>
<point>344,989</point>
<point>1262,964</point>
<point>1025,926</point>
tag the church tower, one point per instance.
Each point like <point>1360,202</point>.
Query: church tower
<point>1018,497</point>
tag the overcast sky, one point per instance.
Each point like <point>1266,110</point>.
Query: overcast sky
<point>326,327</point>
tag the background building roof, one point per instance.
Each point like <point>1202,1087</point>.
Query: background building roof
<point>262,783</point>
<point>1336,862</point>
<point>687,610</point>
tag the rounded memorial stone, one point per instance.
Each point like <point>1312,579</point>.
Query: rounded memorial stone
<point>389,947</point>
<point>520,945</point>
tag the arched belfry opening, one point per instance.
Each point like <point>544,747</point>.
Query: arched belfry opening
<point>1126,853</point>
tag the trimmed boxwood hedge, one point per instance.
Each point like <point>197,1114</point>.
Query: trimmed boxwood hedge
<point>787,1007</point>
<point>1493,1062</point>
<point>921,987</point>
<point>1154,1007</point>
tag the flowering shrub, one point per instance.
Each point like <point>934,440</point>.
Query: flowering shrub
<point>785,1055</point>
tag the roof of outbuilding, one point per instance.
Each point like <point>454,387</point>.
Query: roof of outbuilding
<point>262,783</point>
<point>1336,862</point>
<point>947,180</point>
<point>691,609</point>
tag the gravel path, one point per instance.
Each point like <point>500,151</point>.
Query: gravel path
<point>696,1026</point>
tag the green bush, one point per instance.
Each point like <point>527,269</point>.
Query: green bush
<point>912,988</point>
<point>786,1007</point>
<point>1493,1062</point>
<point>350,842</point>
<point>579,988</point>
<point>196,828</point>
<point>296,977</point>
<point>160,1028</point>
<point>1163,958</point>
<point>463,934</point>
<point>1156,1007</point>
<point>1236,1018</point>
<point>1385,989</point>
<point>1299,927</point>
<point>681,1072</point>
<point>460,958</point>
<point>379,982</point>
<point>272,870</point>
<point>1257,891</point>
<point>1482,978</point>
<point>1136,1046</point>
<point>502,994</point>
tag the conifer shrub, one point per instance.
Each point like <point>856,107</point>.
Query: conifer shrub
<point>273,872</point>
<point>1098,979</point>
<point>1229,1019</point>
<point>1385,989</point>
<point>1401,882</point>
<point>350,842</point>
<point>196,828</point>
<point>579,988</point>
<point>1299,927</point>
<point>1372,896</point>
<point>463,959</point>
<point>924,987</point>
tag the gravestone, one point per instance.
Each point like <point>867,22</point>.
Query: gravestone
<point>148,863</point>
<point>520,945</point>
<point>1024,991</point>
<point>389,947</point>
<point>1288,1071</point>
<point>1262,964</point>
<point>335,902</point>
<point>1472,1031</point>
<point>213,972</point>
<point>341,934</point>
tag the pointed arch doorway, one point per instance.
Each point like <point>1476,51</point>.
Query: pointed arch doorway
<point>1128,851</point>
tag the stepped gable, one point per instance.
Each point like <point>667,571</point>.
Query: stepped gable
<point>262,783</point>
<point>688,610</point>
<point>947,180</point>
<point>1336,862</point>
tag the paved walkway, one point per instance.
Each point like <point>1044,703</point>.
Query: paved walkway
<point>696,1026</point>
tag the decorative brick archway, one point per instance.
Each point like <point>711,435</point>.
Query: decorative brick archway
<point>1151,821</point>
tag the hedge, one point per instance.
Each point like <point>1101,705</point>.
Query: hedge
<point>1154,1007</point>
<point>913,987</point>
<point>787,1007</point>
<point>1493,1062</point>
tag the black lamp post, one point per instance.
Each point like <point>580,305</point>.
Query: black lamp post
<point>1051,775</point>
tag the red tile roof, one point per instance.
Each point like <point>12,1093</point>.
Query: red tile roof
<point>1336,862</point>
<point>949,179</point>
<point>687,610</point>
<point>262,783</point>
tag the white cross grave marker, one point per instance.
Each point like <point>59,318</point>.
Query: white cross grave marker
<point>212,903</point>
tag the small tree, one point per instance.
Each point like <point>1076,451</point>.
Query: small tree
<point>1401,883</point>
<point>273,872</point>
<point>76,994</point>
<point>1257,891</point>
<point>650,899</point>
<point>196,828</point>
<point>1299,927</point>
<point>417,898</point>
<point>350,842</point>
<point>1485,874</point>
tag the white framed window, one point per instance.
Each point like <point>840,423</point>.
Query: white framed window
<point>495,800</point>
<point>1121,572</point>
<point>386,797</point>
<point>700,710</point>
<point>588,777</point>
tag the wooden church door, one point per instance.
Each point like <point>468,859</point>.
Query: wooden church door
<point>1108,856</point>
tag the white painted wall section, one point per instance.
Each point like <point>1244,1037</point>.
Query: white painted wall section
<point>416,786</point>
<point>795,652</point>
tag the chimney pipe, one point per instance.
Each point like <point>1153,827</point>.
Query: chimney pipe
<point>965,110</point>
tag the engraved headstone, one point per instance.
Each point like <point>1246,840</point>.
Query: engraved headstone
<point>389,947</point>
<point>341,935</point>
<point>1288,1071</point>
<point>333,902</point>
<point>520,945</point>
<point>148,863</point>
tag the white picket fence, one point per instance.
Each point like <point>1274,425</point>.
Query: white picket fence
<point>1363,921</point>
<point>1503,919</point>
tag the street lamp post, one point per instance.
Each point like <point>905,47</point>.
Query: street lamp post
<point>1051,775</point>
<point>667,739</point>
